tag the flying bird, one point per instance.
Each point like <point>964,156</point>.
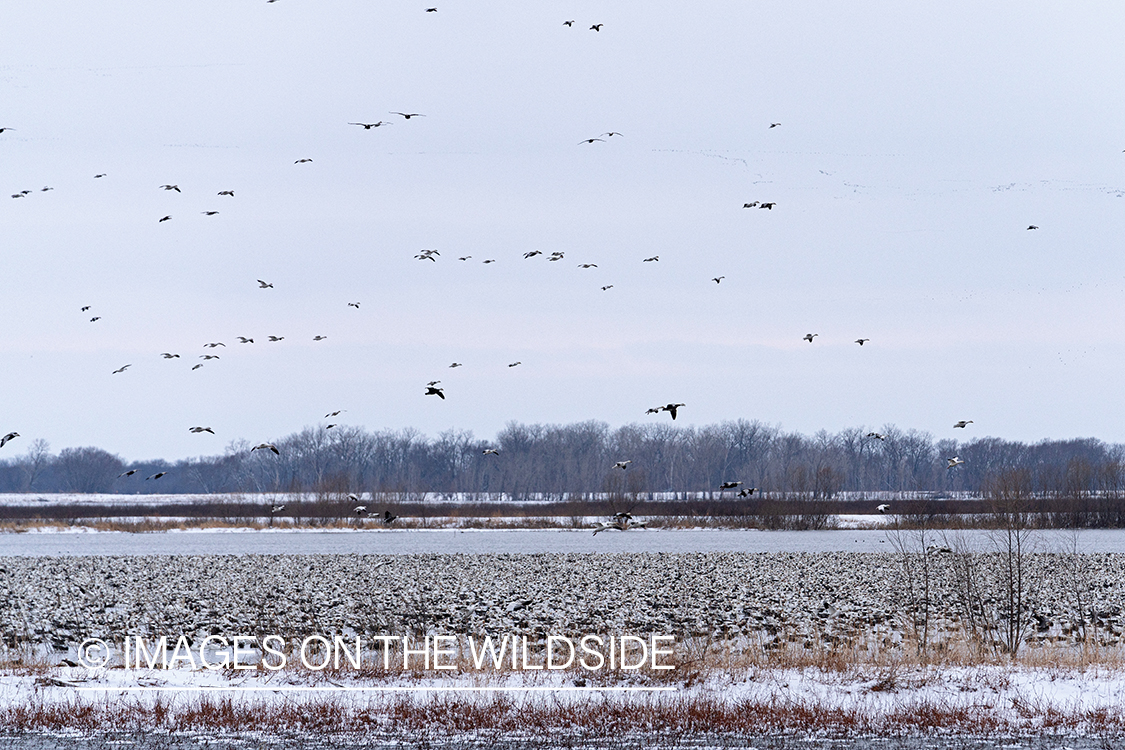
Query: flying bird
<point>434,391</point>
<point>354,304</point>
<point>883,508</point>
<point>655,258</point>
<point>587,265</point>
<point>515,363</point>
<point>208,213</point>
<point>369,125</point>
<point>277,338</point>
<point>121,369</point>
<point>670,408</point>
<point>876,436</point>
<point>430,10</point>
<point>5,130</point>
<point>330,426</point>
<point>99,175</point>
<point>84,309</point>
<point>729,485</point>
<point>214,344</point>
<point>607,287</point>
<point>169,355</point>
<point>388,517</point>
<point>718,279</point>
<point>319,338</point>
<point>264,284</point>
<point>197,430</point>
<point>750,205</point>
<point>336,413</point>
<point>622,464</point>
<point>491,260</point>
<point>157,475</point>
<point>95,319</point>
<point>359,510</point>
<point>612,133</point>
<point>591,140</point>
<point>809,337</point>
<point>773,125</point>
<point>1032,226</point>
<point>197,367</point>
<point>532,254</point>
<point>565,23</point>
<point>171,187</point>
<point>268,447</point>
<point>767,205</point>
<point>954,462</point>
<point>302,161</point>
<point>747,491</point>
<point>456,364</point>
<point>10,436</point>
<point>206,357</point>
<point>861,342</point>
<point>465,257</point>
<point>244,340</point>
<point>490,452</point>
<point>227,192</point>
<point>964,423</point>
<point>166,218</point>
<point>597,27</point>
<point>275,509</point>
<point>129,473</point>
<point>408,115</point>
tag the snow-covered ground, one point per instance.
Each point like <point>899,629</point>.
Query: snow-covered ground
<point>1010,699</point>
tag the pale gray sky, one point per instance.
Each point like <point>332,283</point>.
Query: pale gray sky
<point>915,147</point>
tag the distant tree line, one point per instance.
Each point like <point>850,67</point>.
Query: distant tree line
<point>555,462</point>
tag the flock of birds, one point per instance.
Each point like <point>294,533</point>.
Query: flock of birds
<point>621,521</point>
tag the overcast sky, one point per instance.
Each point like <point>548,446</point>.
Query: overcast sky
<point>916,146</point>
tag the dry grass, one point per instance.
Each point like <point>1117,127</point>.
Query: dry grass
<point>611,717</point>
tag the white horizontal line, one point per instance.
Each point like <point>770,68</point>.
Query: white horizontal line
<point>404,688</point>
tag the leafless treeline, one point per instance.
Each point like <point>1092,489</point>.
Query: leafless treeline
<point>567,461</point>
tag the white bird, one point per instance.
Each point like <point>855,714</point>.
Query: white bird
<point>622,464</point>
<point>876,435</point>
<point>883,508</point>
<point>266,446</point>
<point>491,452</point>
<point>359,510</point>
<point>275,509</point>
<point>954,462</point>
